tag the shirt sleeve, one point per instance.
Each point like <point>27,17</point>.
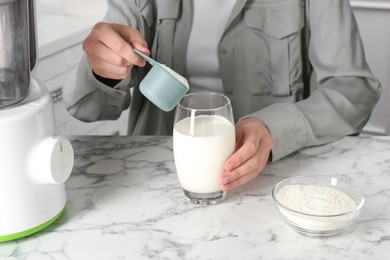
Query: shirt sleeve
<point>88,99</point>
<point>343,89</point>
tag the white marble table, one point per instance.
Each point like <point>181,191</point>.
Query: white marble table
<point>124,202</point>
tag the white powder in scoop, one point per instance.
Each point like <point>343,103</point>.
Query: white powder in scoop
<point>316,200</point>
<point>176,75</point>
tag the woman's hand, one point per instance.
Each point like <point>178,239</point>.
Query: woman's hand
<point>253,147</point>
<point>109,50</point>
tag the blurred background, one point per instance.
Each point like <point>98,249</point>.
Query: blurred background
<point>63,25</point>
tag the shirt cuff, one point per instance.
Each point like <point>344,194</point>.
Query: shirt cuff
<point>118,95</point>
<point>287,127</point>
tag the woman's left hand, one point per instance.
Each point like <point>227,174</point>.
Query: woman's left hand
<point>253,147</point>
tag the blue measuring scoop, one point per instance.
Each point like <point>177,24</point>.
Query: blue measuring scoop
<point>160,86</point>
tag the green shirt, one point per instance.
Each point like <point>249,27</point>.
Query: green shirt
<point>298,65</point>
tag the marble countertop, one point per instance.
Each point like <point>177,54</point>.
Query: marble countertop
<point>124,202</point>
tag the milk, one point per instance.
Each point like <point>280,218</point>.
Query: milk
<point>201,151</point>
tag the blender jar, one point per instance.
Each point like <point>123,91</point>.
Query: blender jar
<point>17,50</point>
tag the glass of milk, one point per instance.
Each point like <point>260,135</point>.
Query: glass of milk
<point>203,139</point>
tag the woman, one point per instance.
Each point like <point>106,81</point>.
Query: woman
<point>295,71</point>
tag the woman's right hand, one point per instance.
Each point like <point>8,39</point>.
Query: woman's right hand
<point>109,50</point>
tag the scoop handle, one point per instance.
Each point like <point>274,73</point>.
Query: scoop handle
<point>144,56</point>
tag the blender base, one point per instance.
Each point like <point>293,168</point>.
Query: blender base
<point>31,230</point>
<point>35,164</point>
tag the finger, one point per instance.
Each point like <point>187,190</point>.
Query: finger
<point>246,171</point>
<point>107,70</point>
<point>132,36</point>
<point>105,54</point>
<point>117,37</point>
<point>135,39</point>
<point>248,148</point>
<point>254,165</point>
<point>240,181</point>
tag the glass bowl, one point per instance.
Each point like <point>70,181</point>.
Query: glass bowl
<point>298,209</point>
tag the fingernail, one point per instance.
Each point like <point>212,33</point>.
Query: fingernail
<point>230,166</point>
<point>226,180</point>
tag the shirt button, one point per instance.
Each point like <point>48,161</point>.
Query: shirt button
<point>223,50</point>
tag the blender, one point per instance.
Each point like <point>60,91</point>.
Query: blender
<point>34,163</point>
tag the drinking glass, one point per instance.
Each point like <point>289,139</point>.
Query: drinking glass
<point>203,139</point>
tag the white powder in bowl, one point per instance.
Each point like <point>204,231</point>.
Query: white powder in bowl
<point>176,75</point>
<point>316,200</point>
